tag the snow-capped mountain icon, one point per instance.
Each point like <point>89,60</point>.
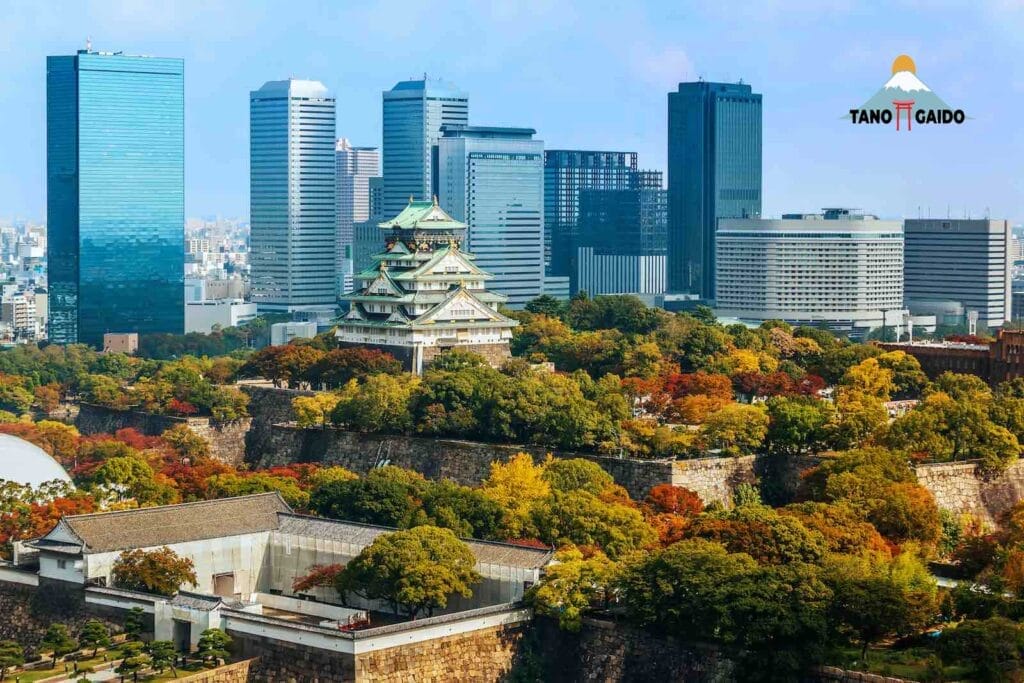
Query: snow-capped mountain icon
<point>905,86</point>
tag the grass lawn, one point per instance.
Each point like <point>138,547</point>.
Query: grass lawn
<point>910,663</point>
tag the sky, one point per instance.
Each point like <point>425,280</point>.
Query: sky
<point>586,75</point>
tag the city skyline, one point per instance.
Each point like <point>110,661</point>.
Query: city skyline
<point>812,157</point>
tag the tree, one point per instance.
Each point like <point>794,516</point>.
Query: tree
<point>213,645</point>
<point>572,585</point>
<point>11,654</point>
<point>577,474</point>
<point>876,597</point>
<point>683,589</point>
<point>545,304</point>
<point>798,425</point>
<point>858,417</point>
<point>466,511</point>
<point>95,635</point>
<point>994,647</point>
<point>338,366</point>
<point>380,404</point>
<point>229,485</point>
<point>869,377</point>
<point>415,571</point>
<point>134,622</point>
<point>388,496</point>
<point>133,660</point>
<point>318,576</point>
<point>160,571</point>
<point>735,430</point>
<point>517,486</point>
<point>162,655</point>
<point>762,533</point>
<point>186,443</point>
<point>316,410</point>
<point>581,518</point>
<point>58,641</point>
<point>47,397</point>
<point>677,500</point>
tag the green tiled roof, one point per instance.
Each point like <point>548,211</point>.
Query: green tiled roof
<point>423,216</point>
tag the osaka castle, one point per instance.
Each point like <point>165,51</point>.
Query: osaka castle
<point>424,295</point>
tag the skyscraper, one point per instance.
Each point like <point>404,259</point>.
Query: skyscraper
<point>966,261</point>
<point>292,248</point>
<point>622,238</point>
<point>493,179</point>
<point>355,166</point>
<point>567,172</point>
<point>414,112</point>
<point>714,171</point>
<point>115,182</point>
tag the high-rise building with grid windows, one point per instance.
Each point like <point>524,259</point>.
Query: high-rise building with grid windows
<point>115,182</point>
<point>493,179</point>
<point>714,172</point>
<point>567,172</point>
<point>414,112</point>
<point>292,240</point>
<point>622,239</point>
<point>355,167</point>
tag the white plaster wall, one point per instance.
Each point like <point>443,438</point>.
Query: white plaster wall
<point>242,555</point>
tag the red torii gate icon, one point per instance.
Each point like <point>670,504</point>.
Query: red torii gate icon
<point>904,106</point>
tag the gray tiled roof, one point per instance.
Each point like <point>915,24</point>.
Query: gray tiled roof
<point>486,552</point>
<point>169,524</point>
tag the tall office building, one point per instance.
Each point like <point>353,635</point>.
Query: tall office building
<point>115,202</point>
<point>355,166</point>
<point>414,112</point>
<point>292,252</point>
<point>493,179</point>
<point>838,268</point>
<point>623,239</point>
<point>964,261</point>
<point>714,171</point>
<point>567,172</point>
<point>366,234</point>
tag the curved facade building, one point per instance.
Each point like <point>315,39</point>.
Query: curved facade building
<point>25,463</point>
<point>838,268</point>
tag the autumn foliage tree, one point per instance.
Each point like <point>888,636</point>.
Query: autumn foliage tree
<point>160,571</point>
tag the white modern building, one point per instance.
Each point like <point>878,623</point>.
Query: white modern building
<point>967,261</point>
<point>203,316</point>
<point>840,269</point>
<point>292,197</point>
<point>282,333</point>
<point>493,180</point>
<point>354,167</point>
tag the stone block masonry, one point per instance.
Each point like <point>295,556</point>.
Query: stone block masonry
<point>484,655</point>
<point>227,439</point>
<point>961,488</point>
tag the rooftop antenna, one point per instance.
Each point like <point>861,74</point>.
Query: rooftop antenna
<point>88,44</point>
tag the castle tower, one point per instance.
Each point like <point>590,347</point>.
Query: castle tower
<point>425,295</point>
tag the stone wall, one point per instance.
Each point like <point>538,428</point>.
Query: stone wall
<point>227,439</point>
<point>830,674</point>
<point>961,488</point>
<point>274,661</point>
<point>484,655</point>
<point>466,462</point>
<point>239,672</point>
<point>607,652</point>
<point>27,611</point>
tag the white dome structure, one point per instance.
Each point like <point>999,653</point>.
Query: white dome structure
<point>26,463</point>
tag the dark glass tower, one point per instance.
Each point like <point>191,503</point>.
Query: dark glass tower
<point>566,173</point>
<point>622,241</point>
<point>714,171</point>
<point>115,179</point>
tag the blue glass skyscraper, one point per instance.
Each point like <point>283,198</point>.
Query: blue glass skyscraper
<point>414,112</point>
<point>714,171</point>
<point>493,179</point>
<point>115,179</point>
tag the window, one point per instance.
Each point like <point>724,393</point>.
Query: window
<point>62,564</point>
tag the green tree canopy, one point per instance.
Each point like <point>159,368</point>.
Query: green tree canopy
<point>415,571</point>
